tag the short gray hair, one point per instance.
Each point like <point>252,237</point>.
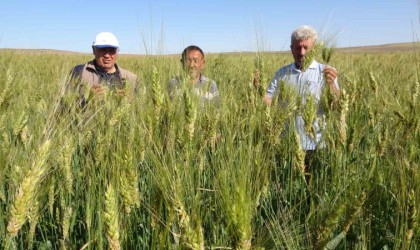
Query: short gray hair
<point>304,32</point>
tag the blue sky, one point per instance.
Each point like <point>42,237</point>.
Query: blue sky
<point>166,27</point>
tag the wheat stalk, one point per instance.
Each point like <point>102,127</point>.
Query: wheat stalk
<point>373,83</point>
<point>190,116</point>
<point>191,238</point>
<point>24,197</point>
<point>157,96</point>
<point>6,88</point>
<point>309,115</point>
<point>111,218</point>
<point>67,215</point>
<point>412,218</point>
<point>129,186</point>
<point>343,117</point>
<point>311,54</point>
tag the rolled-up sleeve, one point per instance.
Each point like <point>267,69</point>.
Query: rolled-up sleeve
<point>272,87</point>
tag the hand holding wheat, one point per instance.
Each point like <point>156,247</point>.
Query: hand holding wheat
<point>330,74</point>
<point>97,89</point>
<point>120,92</point>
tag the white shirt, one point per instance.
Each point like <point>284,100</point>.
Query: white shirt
<point>309,82</point>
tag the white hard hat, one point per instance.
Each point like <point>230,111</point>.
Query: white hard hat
<point>106,40</point>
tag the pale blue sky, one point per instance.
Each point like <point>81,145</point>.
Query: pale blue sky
<point>216,26</point>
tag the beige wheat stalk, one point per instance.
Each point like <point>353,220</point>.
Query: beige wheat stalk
<point>412,218</point>
<point>157,96</point>
<point>20,123</point>
<point>309,115</point>
<point>251,96</point>
<point>268,122</point>
<point>210,130</point>
<point>120,113</point>
<point>33,218</point>
<point>374,83</point>
<point>299,154</point>
<point>68,212</point>
<point>352,88</point>
<point>88,210</point>
<point>415,92</point>
<point>67,154</point>
<point>24,134</point>
<point>383,140</point>
<point>6,87</point>
<point>3,119</point>
<point>51,196</point>
<point>24,197</point>
<point>343,117</point>
<point>101,149</point>
<point>129,188</point>
<point>4,147</point>
<point>192,239</point>
<point>190,116</point>
<point>259,65</point>
<point>111,218</point>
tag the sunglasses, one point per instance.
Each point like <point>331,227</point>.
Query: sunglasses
<point>108,50</point>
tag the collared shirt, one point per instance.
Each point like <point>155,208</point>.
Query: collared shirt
<point>88,74</point>
<point>112,80</point>
<point>309,82</point>
<point>204,88</point>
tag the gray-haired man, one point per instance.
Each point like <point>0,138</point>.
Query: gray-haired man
<point>306,82</point>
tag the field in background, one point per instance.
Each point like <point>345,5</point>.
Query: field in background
<point>148,172</point>
<point>385,48</point>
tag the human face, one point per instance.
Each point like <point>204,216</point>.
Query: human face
<point>194,63</point>
<point>105,58</point>
<point>299,49</point>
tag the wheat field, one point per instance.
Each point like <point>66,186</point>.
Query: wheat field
<point>144,171</point>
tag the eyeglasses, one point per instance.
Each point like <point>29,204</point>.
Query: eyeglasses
<point>109,50</point>
<point>190,60</point>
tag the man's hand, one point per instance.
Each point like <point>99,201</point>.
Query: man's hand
<point>120,92</point>
<point>267,100</point>
<point>97,89</point>
<point>330,74</point>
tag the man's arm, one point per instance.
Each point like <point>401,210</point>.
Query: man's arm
<point>268,98</point>
<point>214,92</point>
<point>172,86</point>
<point>75,76</point>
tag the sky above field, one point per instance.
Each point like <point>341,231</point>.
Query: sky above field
<point>166,27</point>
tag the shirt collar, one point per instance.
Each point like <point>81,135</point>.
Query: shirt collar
<point>201,79</point>
<point>314,65</point>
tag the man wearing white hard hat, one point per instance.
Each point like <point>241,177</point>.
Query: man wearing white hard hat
<point>103,72</point>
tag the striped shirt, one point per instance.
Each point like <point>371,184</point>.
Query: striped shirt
<point>204,88</point>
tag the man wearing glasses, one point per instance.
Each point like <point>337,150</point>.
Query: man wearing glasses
<point>103,73</point>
